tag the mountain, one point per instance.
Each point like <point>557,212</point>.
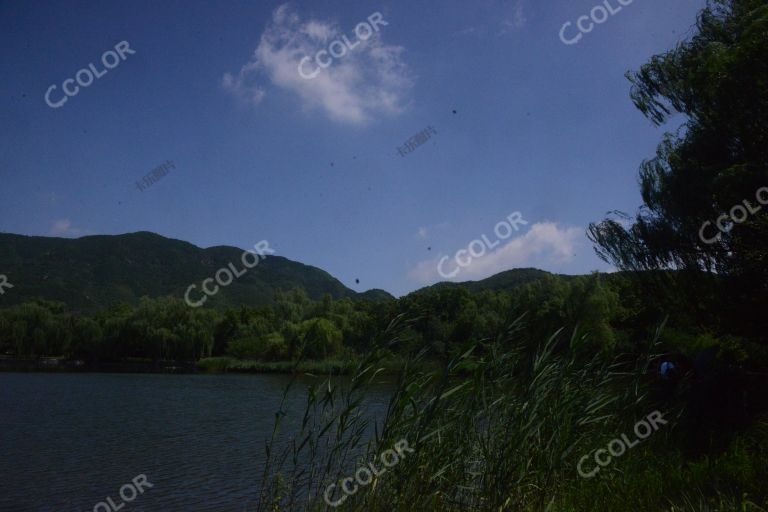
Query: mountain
<point>92,272</point>
<point>503,281</point>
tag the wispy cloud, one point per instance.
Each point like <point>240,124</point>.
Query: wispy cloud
<point>244,86</point>
<point>502,17</point>
<point>544,245</point>
<point>63,228</point>
<point>469,31</point>
<point>516,19</point>
<point>370,79</point>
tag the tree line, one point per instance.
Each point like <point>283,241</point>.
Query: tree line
<point>612,309</point>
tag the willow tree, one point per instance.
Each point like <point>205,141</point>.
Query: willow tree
<point>713,168</point>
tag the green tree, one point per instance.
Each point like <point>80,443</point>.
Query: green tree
<point>717,80</point>
<point>321,339</point>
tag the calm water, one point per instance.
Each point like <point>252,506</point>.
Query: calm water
<point>68,441</point>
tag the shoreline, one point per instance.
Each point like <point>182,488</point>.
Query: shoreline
<point>56,365</point>
<point>216,365</point>
<point>210,365</point>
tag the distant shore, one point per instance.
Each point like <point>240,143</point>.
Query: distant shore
<point>59,365</point>
<point>208,365</point>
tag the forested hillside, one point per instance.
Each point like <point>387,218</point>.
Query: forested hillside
<point>93,272</point>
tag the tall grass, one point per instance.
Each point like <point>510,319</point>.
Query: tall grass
<point>498,427</point>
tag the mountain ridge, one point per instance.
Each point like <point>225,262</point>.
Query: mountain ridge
<point>99,271</point>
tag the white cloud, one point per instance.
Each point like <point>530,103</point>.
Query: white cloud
<point>243,86</point>
<point>370,79</point>
<point>501,17</point>
<point>544,245</point>
<point>318,31</point>
<point>469,31</point>
<point>63,227</point>
<point>422,232</point>
<point>517,19</point>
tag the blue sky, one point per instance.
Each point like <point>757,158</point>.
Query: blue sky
<point>311,165</point>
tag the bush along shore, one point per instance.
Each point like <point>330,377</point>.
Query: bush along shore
<point>54,364</point>
<point>518,424</point>
<point>208,365</point>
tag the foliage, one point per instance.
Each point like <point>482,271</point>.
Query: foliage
<point>717,80</point>
<point>507,436</point>
<point>609,308</point>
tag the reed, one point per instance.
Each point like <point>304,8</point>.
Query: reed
<point>498,427</point>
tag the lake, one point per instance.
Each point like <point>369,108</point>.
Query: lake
<point>69,441</point>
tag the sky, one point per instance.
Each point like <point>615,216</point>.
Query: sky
<point>266,144</point>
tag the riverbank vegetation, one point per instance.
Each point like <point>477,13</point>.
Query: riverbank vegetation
<point>331,336</point>
<point>513,424</point>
